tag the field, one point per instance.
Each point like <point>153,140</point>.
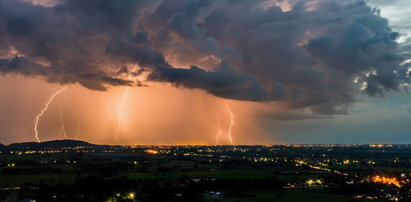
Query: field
<point>188,174</point>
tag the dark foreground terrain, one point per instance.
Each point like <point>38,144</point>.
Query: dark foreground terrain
<point>77,171</point>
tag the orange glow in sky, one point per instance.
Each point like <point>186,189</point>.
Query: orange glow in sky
<point>156,114</point>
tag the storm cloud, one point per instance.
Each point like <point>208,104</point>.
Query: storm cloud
<point>317,54</point>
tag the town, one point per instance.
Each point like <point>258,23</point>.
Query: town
<point>69,170</point>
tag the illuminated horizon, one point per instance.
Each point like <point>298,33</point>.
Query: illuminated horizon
<point>282,72</point>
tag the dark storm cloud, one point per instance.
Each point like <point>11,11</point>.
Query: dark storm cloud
<point>224,83</point>
<point>26,67</point>
<point>308,56</point>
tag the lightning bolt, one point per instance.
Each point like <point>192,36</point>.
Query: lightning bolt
<point>37,119</point>
<point>78,117</point>
<point>63,128</point>
<point>78,130</point>
<point>120,114</point>
<point>231,122</point>
<point>220,131</point>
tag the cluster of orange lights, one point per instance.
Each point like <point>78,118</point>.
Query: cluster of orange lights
<point>386,180</point>
<point>151,151</point>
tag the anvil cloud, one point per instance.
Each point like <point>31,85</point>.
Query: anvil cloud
<point>317,54</point>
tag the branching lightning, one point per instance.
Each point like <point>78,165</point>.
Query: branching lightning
<point>63,128</point>
<point>231,122</point>
<point>120,113</point>
<point>37,119</point>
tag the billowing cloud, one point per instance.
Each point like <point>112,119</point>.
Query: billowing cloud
<point>316,54</point>
<point>398,12</point>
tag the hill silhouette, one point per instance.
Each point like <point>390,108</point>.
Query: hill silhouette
<point>48,144</point>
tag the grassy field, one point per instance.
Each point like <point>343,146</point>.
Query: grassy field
<point>177,169</point>
<point>17,180</point>
<point>61,169</point>
<point>290,195</point>
<point>220,174</point>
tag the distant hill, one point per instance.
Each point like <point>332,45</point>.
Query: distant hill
<point>49,144</point>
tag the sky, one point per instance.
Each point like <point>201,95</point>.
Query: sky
<point>205,71</point>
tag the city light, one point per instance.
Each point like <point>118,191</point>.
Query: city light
<point>151,151</point>
<point>386,180</point>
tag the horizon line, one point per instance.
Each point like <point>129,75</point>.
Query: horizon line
<point>232,145</point>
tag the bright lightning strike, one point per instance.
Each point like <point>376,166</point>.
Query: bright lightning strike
<point>37,119</point>
<point>120,113</point>
<point>231,122</point>
<point>63,128</point>
<point>220,131</point>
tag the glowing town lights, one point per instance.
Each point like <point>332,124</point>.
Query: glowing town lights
<point>377,145</point>
<point>131,196</point>
<point>37,119</point>
<point>120,114</point>
<point>386,180</point>
<point>231,122</point>
<point>311,182</point>
<point>151,151</point>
